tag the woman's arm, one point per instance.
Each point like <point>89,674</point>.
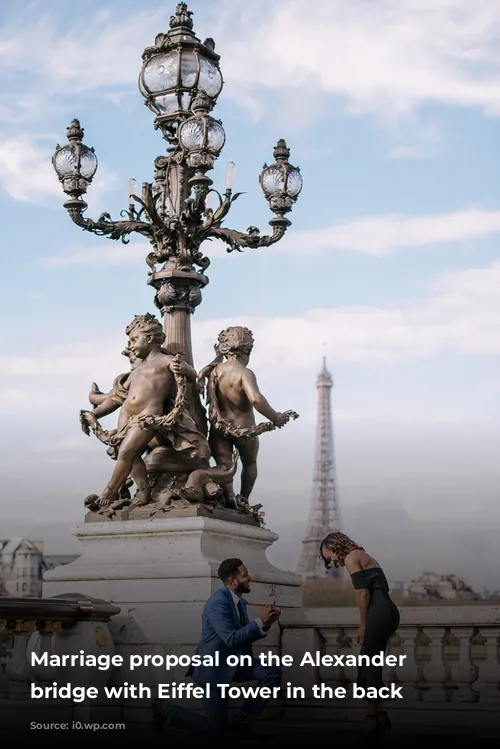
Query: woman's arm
<point>353,564</point>
<point>362,602</point>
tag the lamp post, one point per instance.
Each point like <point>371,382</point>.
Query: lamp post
<point>180,80</point>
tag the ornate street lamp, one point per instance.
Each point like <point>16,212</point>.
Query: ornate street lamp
<point>180,81</point>
<point>75,164</point>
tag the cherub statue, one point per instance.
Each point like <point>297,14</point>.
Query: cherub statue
<point>105,403</point>
<point>232,393</point>
<point>102,402</point>
<point>153,402</point>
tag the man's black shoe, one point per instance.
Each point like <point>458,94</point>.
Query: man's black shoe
<point>161,714</point>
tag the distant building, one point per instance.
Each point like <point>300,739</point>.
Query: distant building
<point>396,588</point>
<point>22,566</point>
<point>430,586</point>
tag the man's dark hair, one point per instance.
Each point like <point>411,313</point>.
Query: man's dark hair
<point>229,568</point>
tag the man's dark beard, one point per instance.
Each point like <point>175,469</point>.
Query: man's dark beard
<point>242,588</point>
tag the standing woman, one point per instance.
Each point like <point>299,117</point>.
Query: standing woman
<point>379,615</point>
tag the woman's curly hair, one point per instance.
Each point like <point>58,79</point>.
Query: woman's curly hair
<point>341,545</point>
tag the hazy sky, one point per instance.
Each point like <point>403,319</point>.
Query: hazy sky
<point>391,268</point>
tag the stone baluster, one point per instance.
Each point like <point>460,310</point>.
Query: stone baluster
<point>407,673</point>
<point>434,672</point>
<point>461,673</point>
<point>389,673</point>
<point>297,642</point>
<point>350,647</point>
<point>332,675</point>
<point>63,625</point>
<point>488,683</point>
<point>3,679</point>
<point>94,639</point>
<point>18,669</point>
<point>44,644</point>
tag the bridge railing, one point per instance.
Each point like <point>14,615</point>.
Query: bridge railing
<point>63,625</point>
<point>452,657</point>
<point>450,673</point>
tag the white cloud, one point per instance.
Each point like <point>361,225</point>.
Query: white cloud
<point>392,412</point>
<point>386,58</point>
<point>27,174</point>
<point>66,360</point>
<point>16,400</point>
<point>408,152</point>
<point>420,141</point>
<point>68,445</point>
<point>371,235</point>
<point>108,254</point>
<point>97,51</point>
<point>450,321</point>
<point>26,107</point>
<point>381,235</point>
<point>492,386</point>
<point>461,315</point>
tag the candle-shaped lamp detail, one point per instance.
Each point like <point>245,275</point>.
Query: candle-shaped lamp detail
<point>210,201</point>
<point>132,187</point>
<point>230,175</point>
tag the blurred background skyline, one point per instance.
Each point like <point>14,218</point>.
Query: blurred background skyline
<point>391,267</point>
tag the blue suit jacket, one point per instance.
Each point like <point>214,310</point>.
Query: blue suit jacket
<point>222,632</point>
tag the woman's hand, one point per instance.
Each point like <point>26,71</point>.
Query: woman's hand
<point>360,636</point>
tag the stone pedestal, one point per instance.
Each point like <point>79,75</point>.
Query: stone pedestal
<point>161,572</point>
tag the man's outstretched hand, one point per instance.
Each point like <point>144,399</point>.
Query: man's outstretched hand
<point>269,615</point>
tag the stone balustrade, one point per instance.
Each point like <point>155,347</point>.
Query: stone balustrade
<point>452,663</point>
<point>62,625</point>
<point>450,676</point>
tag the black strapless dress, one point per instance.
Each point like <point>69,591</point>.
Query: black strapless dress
<point>382,621</point>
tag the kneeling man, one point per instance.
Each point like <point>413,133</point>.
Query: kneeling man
<point>226,629</point>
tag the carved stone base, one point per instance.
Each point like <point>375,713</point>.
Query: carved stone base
<point>161,574</point>
<point>179,510</point>
<point>170,477</point>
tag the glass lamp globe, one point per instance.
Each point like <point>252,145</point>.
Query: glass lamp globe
<point>281,182</point>
<point>202,137</point>
<point>171,80</point>
<point>75,160</point>
<point>75,163</point>
<point>177,68</point>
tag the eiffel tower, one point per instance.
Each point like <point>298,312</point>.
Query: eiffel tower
<point>324,516</point>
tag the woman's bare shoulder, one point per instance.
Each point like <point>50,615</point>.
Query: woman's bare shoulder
<point>367,561</point>
<point>358,560</point>
<point>354,561</point>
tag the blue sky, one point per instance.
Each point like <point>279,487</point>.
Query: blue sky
<point>391,267</point>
